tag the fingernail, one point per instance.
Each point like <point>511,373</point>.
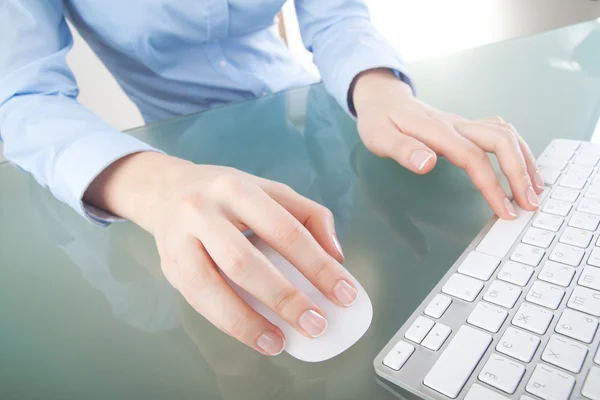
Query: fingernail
<point>337,244</point>
<point>419,158</point>
<point>313,323</point>
<point>510,207</point>
<point>271,343</point>
<point>538,180</point>
<point>345,293</point>
<point>532,197</point>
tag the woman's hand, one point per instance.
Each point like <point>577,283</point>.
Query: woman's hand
<point>197,215</point>
<point>393,123</point>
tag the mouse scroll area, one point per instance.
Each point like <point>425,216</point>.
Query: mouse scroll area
<point>345,326</point>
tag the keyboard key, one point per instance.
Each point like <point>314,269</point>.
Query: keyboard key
<point>576,237</point>
<point>557,273</point>
<point>527,254</point>
<point>550,384</point>
<point>487,316</point>
<point>586,160</point>
<point>503,294</point>
<point>538,237</point>
<point>597,357</point>
<point>545,294</point>
<point>590,148</point>
<point>463,287</point>
<point>566,254</point>
<point>589,206</point>
<point>573,181</point>
<point>503,234</point>
<point>585,300</point>
<point>581,170</point>
<point>419,329</point>
<point>533,318</point>
<point>585,221</point>
<point>518,344</point>
<point>577,325</point>
<point>565,353</point>
<point>591,387</point>
<point>590,277</point>
<point>457,362</point>
<point>565,194</point>
<point>478,392</point>
<point>552,162</point>
<point>548,221</point>
<point>398,356</point>
<point>557,207</point>
<point>479,265</point>
<point>502,373</point>
<point>566,148</point>
<point>549,175</point>
<point>438,306</point>
<point>594,257</point>
<point>436,337</point>
<point>593,192</point>
<point>516,273</point>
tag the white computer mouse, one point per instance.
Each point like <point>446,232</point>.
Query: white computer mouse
<point>344,325</point>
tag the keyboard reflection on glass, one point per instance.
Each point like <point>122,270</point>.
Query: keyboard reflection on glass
<point>516,317</point>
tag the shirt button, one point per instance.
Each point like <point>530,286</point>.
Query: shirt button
<point>222,63</point>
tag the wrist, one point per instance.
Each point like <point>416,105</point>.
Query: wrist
<point>132,186</point>
<point>367,84</point>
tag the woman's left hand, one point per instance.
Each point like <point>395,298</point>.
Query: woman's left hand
<point>393,123</point>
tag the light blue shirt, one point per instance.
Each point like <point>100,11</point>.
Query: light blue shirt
<point>171,57</point>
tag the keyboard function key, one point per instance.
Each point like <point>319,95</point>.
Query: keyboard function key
<point>590,278</point>
<point>585,300</point>
<point>479,265</point>
<point>548,221</point>
<point>438,306</point>
<point>577,326</point>
<point>502,373</point>
<point>515,273</point>
<point>419,329</point>
<point>565,353</point>
<point>538,237</point>
<point>533,318</point>
<point>550,384</point>
<point>398,356</point>
<point>527,254</point>
<point>503,294</point>
<point>458,361</point>
<point>573,181</point>
<point>557,273</point>
<point>436,337</point>
<point>591,386</point>
<point>545,294</point>
<point>518,344</point>
<point>488,317</point>
<point>557,207</point>
<point>463,287</point>
<point>567,254</point>
<point>565,194</point>
<point>585,221</point>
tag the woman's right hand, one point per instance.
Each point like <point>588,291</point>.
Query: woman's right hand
<point>197,215</point>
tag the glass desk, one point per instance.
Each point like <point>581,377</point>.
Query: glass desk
<point>86,313</point>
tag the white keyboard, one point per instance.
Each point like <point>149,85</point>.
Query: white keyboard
<point>516,317</point>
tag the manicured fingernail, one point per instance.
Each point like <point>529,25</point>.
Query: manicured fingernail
<point>532,197</point>
<point>313,323</point>
<point>538,180</point>
<point>271,343</point>
<point>419,158</point>
<point>510,207</point>
<point>337,245</point>
<point>345,293</point>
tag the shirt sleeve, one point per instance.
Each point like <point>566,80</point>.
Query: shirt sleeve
<point>344,43</point>
<point>45,131</point>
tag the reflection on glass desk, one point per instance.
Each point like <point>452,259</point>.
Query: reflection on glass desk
<point>86,313</point>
